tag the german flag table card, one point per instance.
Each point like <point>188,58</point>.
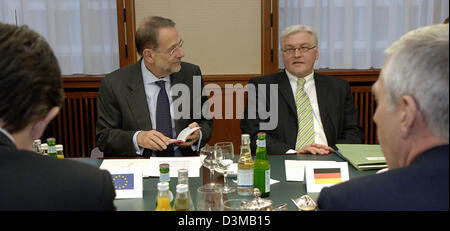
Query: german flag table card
<point>320,175</point>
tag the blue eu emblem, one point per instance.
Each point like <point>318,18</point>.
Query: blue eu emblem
<point>123,181</point>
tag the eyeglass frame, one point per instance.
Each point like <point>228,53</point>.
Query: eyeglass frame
<point>179,45</point>
<point>302,49</point>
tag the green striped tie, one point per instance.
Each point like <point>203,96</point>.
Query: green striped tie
<point>305,133</point>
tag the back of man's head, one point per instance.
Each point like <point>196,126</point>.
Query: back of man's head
<point>419,67</point>
<point>30,78</point>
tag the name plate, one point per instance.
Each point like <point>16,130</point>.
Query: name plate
<point>320,175</point>
<point>127,182</point>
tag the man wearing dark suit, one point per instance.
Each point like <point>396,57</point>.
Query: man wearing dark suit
<point>30,97</point>
<point>322,105</point>
<point>137,115</point>
<point>412,127</point>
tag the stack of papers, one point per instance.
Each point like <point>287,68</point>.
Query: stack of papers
<point>362,156</point>
<point>124,163</point>
<point>193,164</point>
<point>150,167</point>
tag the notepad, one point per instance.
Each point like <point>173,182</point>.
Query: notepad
<point>362,156</point>
<point>183,135</point>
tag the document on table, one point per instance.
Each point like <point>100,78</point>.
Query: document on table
<point>124,163</point>
<point>295,169</point>
<point>362,156</point>
<point>193,165</point>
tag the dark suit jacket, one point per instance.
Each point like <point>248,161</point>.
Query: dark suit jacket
<point>337,111</point>
<point>123,109</point>
<point>423,185</point>
<point>32,181</point>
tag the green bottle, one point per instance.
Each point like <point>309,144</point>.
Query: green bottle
<point>262,166</point>
<point>51,142</point>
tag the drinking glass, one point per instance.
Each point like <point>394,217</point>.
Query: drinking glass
<point>233,205</point>
<point>209,197</point>
<point>208,160</point>
<point>224,157</point>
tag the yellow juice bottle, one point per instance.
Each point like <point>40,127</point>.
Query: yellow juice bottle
<point>163,199</point>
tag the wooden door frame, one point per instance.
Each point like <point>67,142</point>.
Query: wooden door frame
<point>126,29</point>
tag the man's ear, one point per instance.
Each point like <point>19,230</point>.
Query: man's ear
<point>147,55</point>
<point>40,125</point>
<point>409,115</point>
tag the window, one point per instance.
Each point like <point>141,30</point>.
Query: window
<point>82,33</point>
<point>354,33</point>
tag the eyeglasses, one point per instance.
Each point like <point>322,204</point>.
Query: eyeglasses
<point>291,50</point>
<point>179,45</point>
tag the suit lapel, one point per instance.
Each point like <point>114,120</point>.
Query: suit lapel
<point>284,87</point>
<point>322,90</point>
<point>136,98</point>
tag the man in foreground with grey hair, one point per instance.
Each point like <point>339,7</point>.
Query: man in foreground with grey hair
<point>315,112</point>
<point>412,121</point>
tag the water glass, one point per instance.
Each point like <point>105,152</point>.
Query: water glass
<point>224,157</point>
<point>233,205</point>
<point>209,197</point>
<point>208,160</point>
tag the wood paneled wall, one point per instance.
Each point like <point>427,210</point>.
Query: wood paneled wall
<point>74,127</point>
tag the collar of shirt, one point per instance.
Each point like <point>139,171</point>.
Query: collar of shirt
<point>7,134</point>
<point>293,81</point>
<point>150,78</point>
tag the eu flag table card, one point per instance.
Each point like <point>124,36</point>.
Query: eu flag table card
<point>127,182</point>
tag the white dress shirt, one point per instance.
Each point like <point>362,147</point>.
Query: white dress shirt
<point>310,88</point>
<point>151,91</point>
<point>7,134</point>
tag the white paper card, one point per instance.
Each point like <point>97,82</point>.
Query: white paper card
<point>295,169</point>
<point>232,170</point>
<point>320,175</point>
<point>380,158</point>
<point>124,163</point>
<point>193,165</point>
<point>273,181</point>
<point>127,182</point>
<point>183,135</point>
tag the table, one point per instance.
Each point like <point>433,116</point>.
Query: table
<point>281,192</point>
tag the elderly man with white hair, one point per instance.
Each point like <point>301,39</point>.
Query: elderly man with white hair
<point>412,95</point>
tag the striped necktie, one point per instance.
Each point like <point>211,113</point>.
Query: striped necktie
<point>305,132</point>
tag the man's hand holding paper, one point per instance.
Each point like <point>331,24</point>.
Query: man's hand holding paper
<point>192,138</point>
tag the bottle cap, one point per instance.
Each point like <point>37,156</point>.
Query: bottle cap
<point>51,141</point>
<point>44,146</point>
<point>183,172</point>
<point>164,168</point>
<point>245,139</point>
<point>182,188</point>
<point>59,147</point>
<point>163,186</point>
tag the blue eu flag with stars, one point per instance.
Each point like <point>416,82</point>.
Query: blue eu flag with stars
<point>123,181</point>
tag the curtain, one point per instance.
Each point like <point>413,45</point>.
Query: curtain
<point>354,33</point>
<point>82,33</point>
